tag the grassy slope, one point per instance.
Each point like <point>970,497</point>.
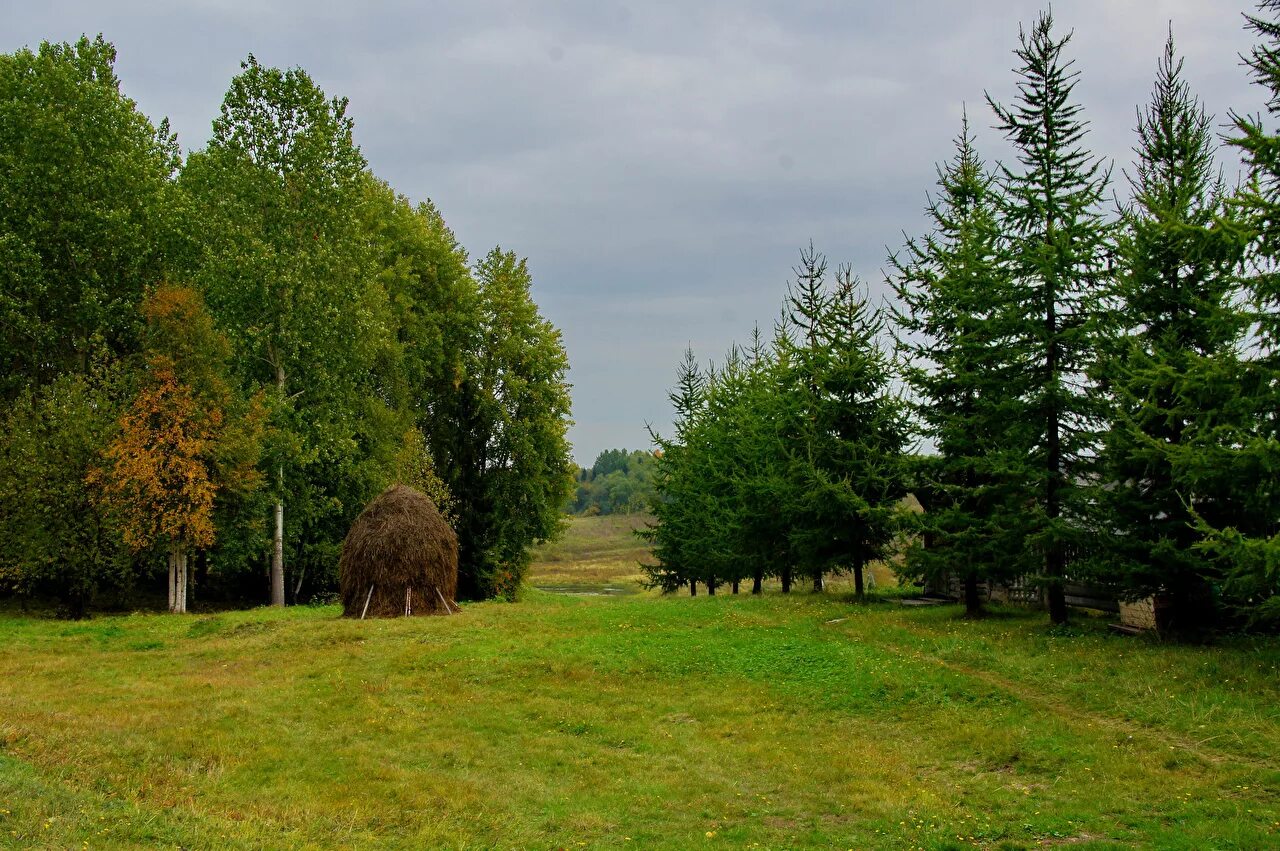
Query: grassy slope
<point>594,553</point>
<point>631,722</point>
<point>603,555</point>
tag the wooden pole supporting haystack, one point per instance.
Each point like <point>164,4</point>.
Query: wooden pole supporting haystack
<point>366,603</point>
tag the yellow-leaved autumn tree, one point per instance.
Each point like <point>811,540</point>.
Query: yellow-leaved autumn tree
<point>182,440</point>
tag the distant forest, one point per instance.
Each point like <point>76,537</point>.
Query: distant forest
<point>619,482</point>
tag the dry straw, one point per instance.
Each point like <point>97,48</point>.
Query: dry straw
<point>400,557</point>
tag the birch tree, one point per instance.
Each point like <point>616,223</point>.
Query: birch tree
<point>164,468</point>
<point>286,270</point>
<point>84,218</point>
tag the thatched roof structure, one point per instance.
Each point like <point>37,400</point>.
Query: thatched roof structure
<point>399,558</point>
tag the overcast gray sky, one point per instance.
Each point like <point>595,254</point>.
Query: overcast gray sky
<point>659,163</point>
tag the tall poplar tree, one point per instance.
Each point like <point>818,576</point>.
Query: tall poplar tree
<point>1051,210</point>
<point>84,212</point>
<point>286,271</point>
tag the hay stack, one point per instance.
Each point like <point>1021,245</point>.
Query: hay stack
<point>399,545</point>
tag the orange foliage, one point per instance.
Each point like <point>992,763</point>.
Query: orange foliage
<point>175,450</point>
<point>180,327</point>
<point>157,476</point>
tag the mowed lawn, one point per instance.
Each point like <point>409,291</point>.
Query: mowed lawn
<point>632,722</point>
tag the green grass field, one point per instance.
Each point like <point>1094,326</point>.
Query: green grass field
<point>632,721</point>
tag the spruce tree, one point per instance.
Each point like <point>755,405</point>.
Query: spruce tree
<point>762,486</point>
<point>846,472</point>
<point>1172,293</point>
<point>731,414</point>
<point>806,311</point>
<point>1238,449</point>
<point>674,533</point>
<point>954,291</point>
<point>1057,244</point>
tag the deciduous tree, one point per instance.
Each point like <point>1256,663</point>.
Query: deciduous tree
<point>84,212</point>
<point>163,469</point>
<point>504,453</point>
<point>287,271</point>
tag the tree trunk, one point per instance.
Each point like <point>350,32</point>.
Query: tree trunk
<point>857,577</point>
<point>179,578</point>
<point>786,579</point>
<point>693,587</point>
<point>173,578</point>
<point>735,586</point>
<point>277,550</point>
<point>1055,561</point>
<point>711,588</point>
<point>972,602</point>
<point>818,584</point>
<point>757,582</point>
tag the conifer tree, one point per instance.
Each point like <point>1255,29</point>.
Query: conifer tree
<point>1174,317</point>
<point>1237,450</point>
<point>761,486</point>
<point>727,438</point>
<point>1057,243</point>
<point>675,530</point>
<point>954,293</point>
<point>846,471</point>
<point>806,356</point>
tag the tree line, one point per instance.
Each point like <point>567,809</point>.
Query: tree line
<point>214,361</point>
<point>1092,385</point>
<point>617,482</point>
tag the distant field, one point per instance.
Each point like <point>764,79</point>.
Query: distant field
<point>602,555</point>
<point>635,721</point>
<point>595,555</point>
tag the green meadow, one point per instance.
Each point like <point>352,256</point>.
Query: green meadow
<point>632,721</point>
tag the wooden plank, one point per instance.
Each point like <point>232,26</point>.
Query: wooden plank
<point>1106,604</point>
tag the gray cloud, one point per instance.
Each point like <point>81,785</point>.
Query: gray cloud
<point>659,163</point>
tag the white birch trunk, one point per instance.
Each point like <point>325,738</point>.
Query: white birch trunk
<point>277,554</point>
<point>277,550</point>
<point>180,604</point>
<point>173,579</point>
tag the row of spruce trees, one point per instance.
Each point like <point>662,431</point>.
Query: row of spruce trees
<point>1095,389</point>
<point>214,361</point>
